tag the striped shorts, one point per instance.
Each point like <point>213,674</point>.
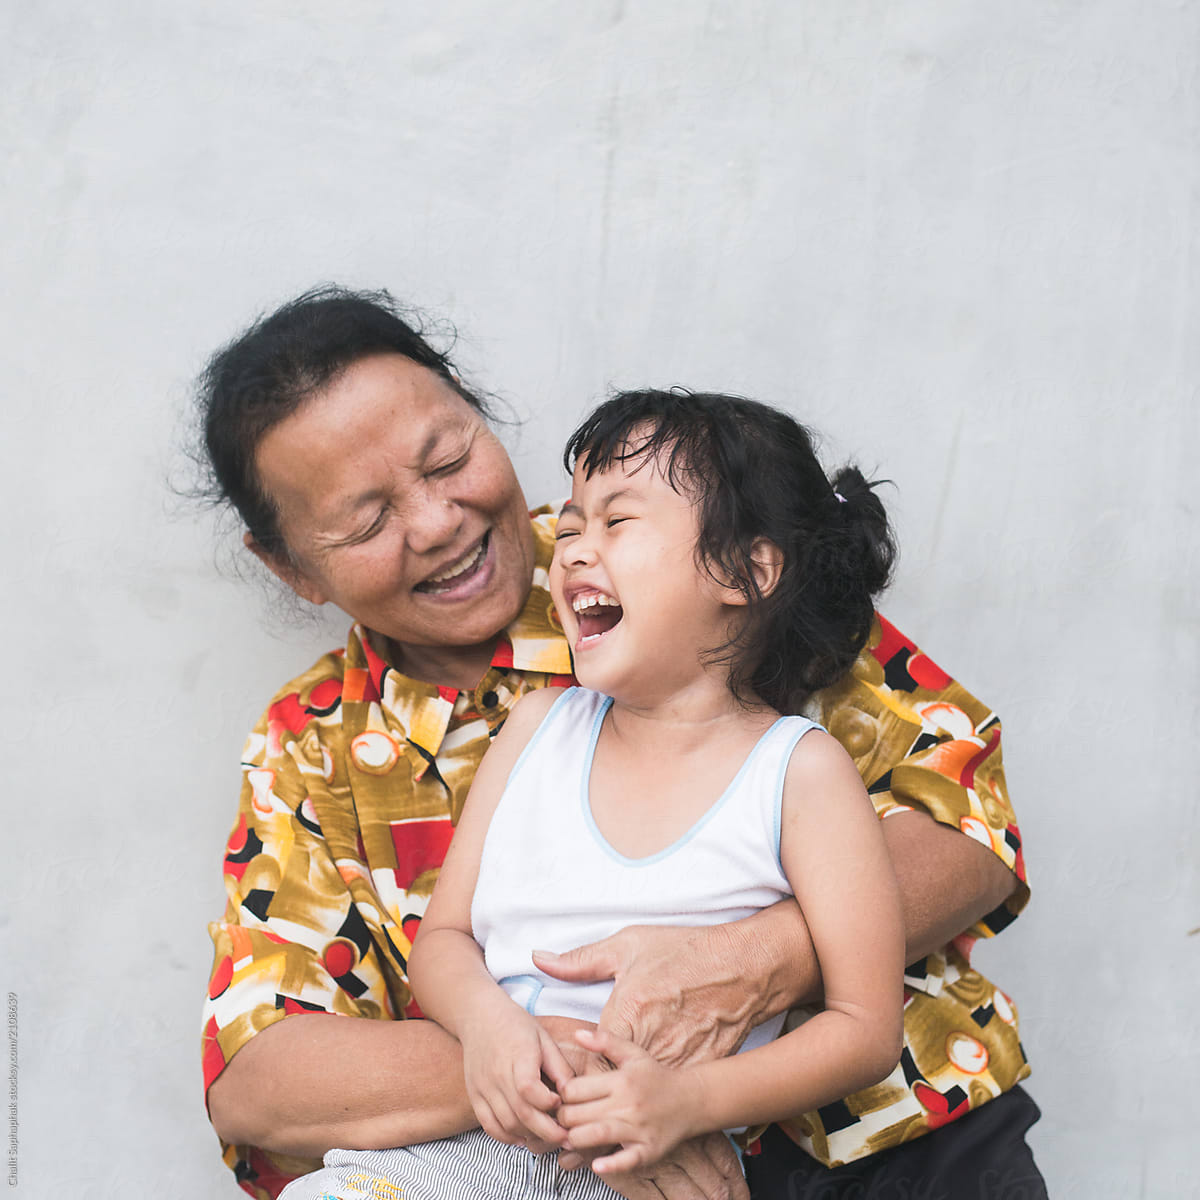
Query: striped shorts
<point>458,1168</point>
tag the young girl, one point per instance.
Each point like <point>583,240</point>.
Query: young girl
<point>708,577</point>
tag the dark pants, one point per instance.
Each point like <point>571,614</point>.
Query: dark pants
<point>982,1156</point>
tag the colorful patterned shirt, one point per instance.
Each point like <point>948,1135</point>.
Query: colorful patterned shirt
<point>355,776</point>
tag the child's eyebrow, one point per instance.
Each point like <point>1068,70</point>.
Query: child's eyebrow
<point>620,494</point>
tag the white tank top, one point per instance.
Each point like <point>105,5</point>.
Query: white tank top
<point>548,879</point>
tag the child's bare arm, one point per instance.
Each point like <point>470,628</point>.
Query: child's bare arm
<point>834,855</point>
<point>505,1051</point>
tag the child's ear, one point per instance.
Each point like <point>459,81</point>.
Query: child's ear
<point>767,561</point>
<point>286,570</point>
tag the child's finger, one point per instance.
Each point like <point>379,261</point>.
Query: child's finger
<point>532,1102</point>
<point>519,1120</point>
<point>536,1094</point>
<point>490,1122</point>
<point>597,1135</point>
<point>542,1128</point>
<point>617,1050</point>
<point>572,1116</point>
<point>511,1127</point>
<point>628,1158</point>
<point>575,1116</point>
<point>554,1062</point>
<point>522,1081</point>
<point>583,1088</point>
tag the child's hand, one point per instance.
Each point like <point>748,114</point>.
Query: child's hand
<point>645,1108</point>
<point>503,1064</point>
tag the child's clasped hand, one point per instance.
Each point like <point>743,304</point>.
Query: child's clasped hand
<point>506,1053</point>
<point>641,1107</point>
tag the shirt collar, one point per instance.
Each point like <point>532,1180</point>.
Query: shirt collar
<point>534,641</point>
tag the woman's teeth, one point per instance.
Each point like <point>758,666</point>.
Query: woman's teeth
<point>466,564</point>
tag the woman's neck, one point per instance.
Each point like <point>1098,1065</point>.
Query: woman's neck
<point>459,667</point>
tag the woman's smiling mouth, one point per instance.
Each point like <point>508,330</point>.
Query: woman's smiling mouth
<point>459,572</point>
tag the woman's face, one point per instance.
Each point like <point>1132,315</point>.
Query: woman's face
<point>398,504</point>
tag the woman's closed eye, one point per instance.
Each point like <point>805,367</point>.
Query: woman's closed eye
<point>369,531</point>
<point>448,468</point>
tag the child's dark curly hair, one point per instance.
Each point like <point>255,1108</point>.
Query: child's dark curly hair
<point>753,473</point>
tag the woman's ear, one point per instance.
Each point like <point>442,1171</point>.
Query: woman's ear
<point>285,570</point>
<point>767,561</point>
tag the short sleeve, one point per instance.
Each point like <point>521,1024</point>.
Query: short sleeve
<point>921,741</point>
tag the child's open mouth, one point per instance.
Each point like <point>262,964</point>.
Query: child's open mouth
<point>597,614</point>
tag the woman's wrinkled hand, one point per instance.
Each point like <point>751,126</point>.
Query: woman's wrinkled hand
<point>703,1168</point>
<point>685,995</point>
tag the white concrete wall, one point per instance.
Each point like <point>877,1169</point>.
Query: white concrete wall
<point>960,239</point>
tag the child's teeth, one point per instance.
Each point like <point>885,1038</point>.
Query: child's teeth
<point>580,603</point>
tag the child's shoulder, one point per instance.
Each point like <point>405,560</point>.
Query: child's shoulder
<point>817,759</point>
<point>530,711</point>
<point>522,723</point>
<point>535,704</point>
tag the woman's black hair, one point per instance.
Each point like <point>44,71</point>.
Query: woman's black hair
<point>753,473</point>
<point>266,373</point>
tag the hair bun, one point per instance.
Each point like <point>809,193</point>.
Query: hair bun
<point>871,553</point>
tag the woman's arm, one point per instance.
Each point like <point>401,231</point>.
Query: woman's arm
<point>316,1081</point>
<point>948,881</point>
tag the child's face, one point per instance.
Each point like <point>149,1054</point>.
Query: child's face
<point>637,607</point>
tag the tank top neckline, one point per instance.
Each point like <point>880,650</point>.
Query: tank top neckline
<point>585,795</point>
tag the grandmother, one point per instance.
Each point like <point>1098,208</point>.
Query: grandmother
<point>366,475</point>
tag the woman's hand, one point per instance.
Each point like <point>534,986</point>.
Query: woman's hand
<point>693,994</point>
<point>703,1168</point>
<point>505,1054</point>
<point>641,1106</point>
